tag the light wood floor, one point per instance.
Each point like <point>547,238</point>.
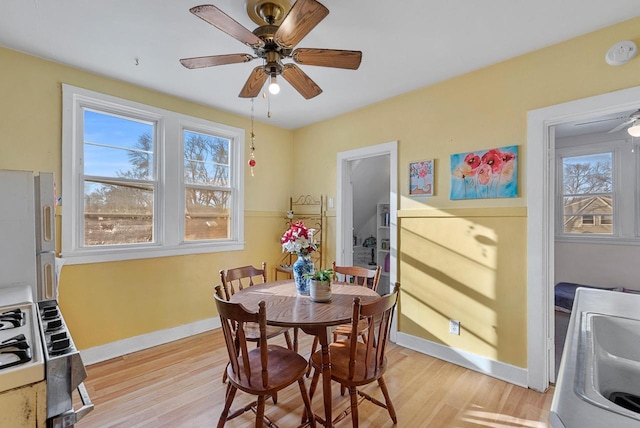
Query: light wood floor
<point>179,385</point>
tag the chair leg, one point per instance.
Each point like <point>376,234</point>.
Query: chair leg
<point>387,399</point>
<point>224,374</point>
<point>274,397</point>
<point>313,350</point>
<point>260,412</point>
<point>231,393</point>
<point>307,403</point>
<point>354,406</point>
<point>314,383</point>
<point>287,337</point>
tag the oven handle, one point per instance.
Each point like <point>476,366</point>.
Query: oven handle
<point>87,405</point>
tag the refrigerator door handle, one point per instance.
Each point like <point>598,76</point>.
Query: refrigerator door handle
<point>47,226</point>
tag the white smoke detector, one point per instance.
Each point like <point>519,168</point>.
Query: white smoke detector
<point>621,53</point>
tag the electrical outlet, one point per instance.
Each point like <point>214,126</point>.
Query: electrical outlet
<point>454,327</point>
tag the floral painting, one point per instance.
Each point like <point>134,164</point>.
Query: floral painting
<point>421,178</point>
<point>485,174</point>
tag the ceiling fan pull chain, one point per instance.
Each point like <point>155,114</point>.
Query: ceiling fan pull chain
<point>252,147</point>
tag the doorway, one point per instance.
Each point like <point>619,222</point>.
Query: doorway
<point>540,221</point>
<point>349,166</point>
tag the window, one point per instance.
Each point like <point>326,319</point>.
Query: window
<point>597,188</point>
<point>142,182</point>
<point>587,191</point>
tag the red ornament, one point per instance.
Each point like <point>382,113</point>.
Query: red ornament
<point>252,162</point>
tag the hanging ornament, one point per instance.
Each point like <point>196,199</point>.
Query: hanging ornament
<point>252,147</point>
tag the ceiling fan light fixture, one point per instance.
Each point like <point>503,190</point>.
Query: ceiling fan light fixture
<point>634,130</point>
<point>274,88</point>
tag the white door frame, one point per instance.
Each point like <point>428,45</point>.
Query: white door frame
<point>540,219</point>
<point>344,226</point>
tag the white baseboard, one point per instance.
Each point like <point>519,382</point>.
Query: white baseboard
<point>502,371</point>
<point>138,343</point>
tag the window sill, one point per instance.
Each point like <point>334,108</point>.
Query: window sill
<point>607,240</point>
<point>122,254</point>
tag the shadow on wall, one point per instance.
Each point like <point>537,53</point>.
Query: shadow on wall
<point>471,270</point>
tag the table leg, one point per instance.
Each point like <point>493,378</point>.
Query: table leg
<point>326,374</point>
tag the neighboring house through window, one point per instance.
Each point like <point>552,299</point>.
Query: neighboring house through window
<point>142,182</point>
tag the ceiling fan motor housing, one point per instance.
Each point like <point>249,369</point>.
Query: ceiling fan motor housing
<point>271,52</point>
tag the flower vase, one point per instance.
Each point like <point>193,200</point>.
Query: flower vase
<point>302,266</point>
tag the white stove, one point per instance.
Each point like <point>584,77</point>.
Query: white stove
<point>21,357</point>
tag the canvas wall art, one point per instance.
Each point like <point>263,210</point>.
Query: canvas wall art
<point>485,174</point>
<point>421,178</point>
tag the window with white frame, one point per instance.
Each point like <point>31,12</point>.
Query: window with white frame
<point>597,184</point>
<point>141,182</point>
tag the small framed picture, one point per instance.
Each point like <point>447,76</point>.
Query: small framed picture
<point>421,178</point>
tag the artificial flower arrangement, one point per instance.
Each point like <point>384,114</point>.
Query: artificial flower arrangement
<point>299,239</point>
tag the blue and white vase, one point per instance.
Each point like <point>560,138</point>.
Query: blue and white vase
<point>302,266</point>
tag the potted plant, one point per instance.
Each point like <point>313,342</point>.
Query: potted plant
<point>320,285</point>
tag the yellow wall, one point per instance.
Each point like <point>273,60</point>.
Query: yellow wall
<point>458,259</point>
<point>469,266</point>
<point>113,301</point>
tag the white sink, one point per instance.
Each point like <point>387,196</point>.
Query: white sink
<point>600,363</point>
<point>608,366</point>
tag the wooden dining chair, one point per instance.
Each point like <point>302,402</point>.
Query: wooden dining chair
<point>353,363</point>
<point>262,371</point>
<point>235,279</point>
<point>355,275</point>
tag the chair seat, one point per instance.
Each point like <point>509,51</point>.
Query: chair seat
<point>284,367</point>
<point>252,331</point>
<point>345,329</point>
<point>339,352</point>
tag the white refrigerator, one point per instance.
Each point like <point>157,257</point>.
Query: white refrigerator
<point>27,232</point>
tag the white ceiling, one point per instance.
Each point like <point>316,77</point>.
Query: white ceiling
<point>406,45</point>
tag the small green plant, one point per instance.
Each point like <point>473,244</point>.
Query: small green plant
<point>323,275</point>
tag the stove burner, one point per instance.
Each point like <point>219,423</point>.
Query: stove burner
<point>11,319</point>
<point>14,351</point>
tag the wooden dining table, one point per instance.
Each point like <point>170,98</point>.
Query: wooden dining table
<point>286,308</point>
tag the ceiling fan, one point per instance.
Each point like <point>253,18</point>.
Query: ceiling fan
<point>273,41</point>
<point>634,118</point>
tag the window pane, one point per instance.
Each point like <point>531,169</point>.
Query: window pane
<point>206,159</point>
<point>207,215</point>
<point>117,214</point>
<point>587,174</point>
<point>117,147</point>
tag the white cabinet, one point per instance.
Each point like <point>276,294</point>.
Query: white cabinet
<point>383,247</point>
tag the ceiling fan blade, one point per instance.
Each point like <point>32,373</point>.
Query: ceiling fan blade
<point>224,22</point>
<point>622,125</point>
<point>599,120</point>
<point>300,81</point>
<point>254,83</point>
<point>328,58</point>
<point>208,61</point>
<point>303,16</point>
